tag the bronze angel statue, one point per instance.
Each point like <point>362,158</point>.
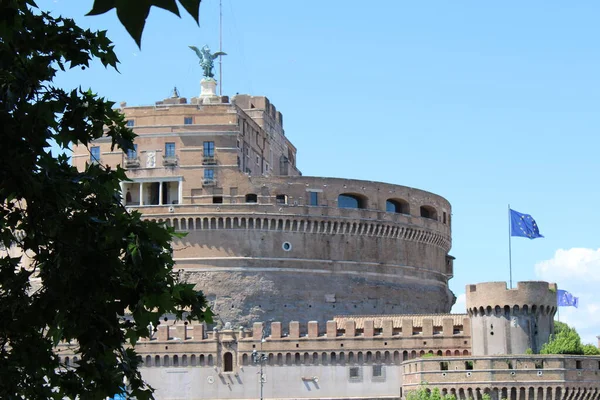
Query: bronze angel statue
<point>206,59</point>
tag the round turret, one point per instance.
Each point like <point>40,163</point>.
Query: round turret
<point>510,321</point>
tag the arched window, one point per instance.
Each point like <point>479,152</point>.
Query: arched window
<point>428,212</point>
<point>349,200</point>
<point>251,198</point>
<point>397,206</point>
<point>228,362</point>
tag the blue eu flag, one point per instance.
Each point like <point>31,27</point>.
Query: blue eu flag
<point>566,299</point>
<point>523,225</point>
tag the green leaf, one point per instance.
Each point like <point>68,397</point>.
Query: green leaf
<point>193,8</point>
<point>133,16</point>
<point>169,5</point>
<point>102,6</point>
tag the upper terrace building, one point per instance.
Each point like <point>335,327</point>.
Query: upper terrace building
<point>264,242</point>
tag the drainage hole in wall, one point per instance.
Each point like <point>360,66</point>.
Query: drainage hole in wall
<point>286,246</point>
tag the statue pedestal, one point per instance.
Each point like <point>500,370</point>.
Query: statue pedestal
<point>208,91</point>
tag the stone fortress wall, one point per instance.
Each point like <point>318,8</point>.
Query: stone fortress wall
<point>511,377</point>
<point>352,357</point>
<point>348,357</point>
<point>282,259</point>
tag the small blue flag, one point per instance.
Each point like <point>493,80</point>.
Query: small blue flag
<point>566,299</point>
<point>523,225</point>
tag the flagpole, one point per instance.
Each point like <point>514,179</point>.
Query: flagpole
<point>509,248</point>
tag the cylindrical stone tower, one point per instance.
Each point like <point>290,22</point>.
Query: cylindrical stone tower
<point>510,321</point>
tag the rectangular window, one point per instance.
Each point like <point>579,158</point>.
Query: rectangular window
<point>539,364</point>
<point>578,364</point>
<point>217,199</point>
<point>209,174</point>
<point>209,149</point>
<point>130,123</point>
<point>257,160</point>
<point>132,153</point>
<point>95,154</point>
<point>354,373</point>
<point>281,199</point>
<point>468,365</point>
<point>188,120</point>
<point>169,149</point>
<point>444,366</point>
<point>314,198</point>
<point>238,143</point>
<point>377,371</point>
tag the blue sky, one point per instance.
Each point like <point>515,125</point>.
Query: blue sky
<point>484,103</point>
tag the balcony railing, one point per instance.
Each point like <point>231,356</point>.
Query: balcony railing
<point>209,160</point>
<point>209,182</point>
<point>169,161</point>
<point>132,162</point>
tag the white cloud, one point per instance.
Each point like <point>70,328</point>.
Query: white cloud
<point>460,307</point>
<point>576,270</point>
<point>572,264</point>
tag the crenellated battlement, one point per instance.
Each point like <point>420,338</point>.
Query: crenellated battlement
<point>343,327</point>
<point>495,297</point>
<point>510,321</point>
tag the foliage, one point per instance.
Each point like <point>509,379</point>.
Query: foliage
<point>565,340</point>
<point>92,260</point>
<point>591,350</point>
<point>529,351</point>
<point>133,14</point>
<point>424,393</point>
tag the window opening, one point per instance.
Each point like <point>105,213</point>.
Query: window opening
<point>95,154</point>
<point>377,371</point>
<point>428,212</point>
<point>397,206</point>
<point>351,201</point>
<point>251,198</point>
<point>188,120</point>
<point>132,153</point>
<point>314,198</point>
<point>209,149</point>
<point>281,199</point>
<point>169,149</point>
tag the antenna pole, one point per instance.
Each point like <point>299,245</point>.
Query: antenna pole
<point>509,247</point>
<point>221,47</point>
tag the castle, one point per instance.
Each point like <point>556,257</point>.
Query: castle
<point>324,288</point>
